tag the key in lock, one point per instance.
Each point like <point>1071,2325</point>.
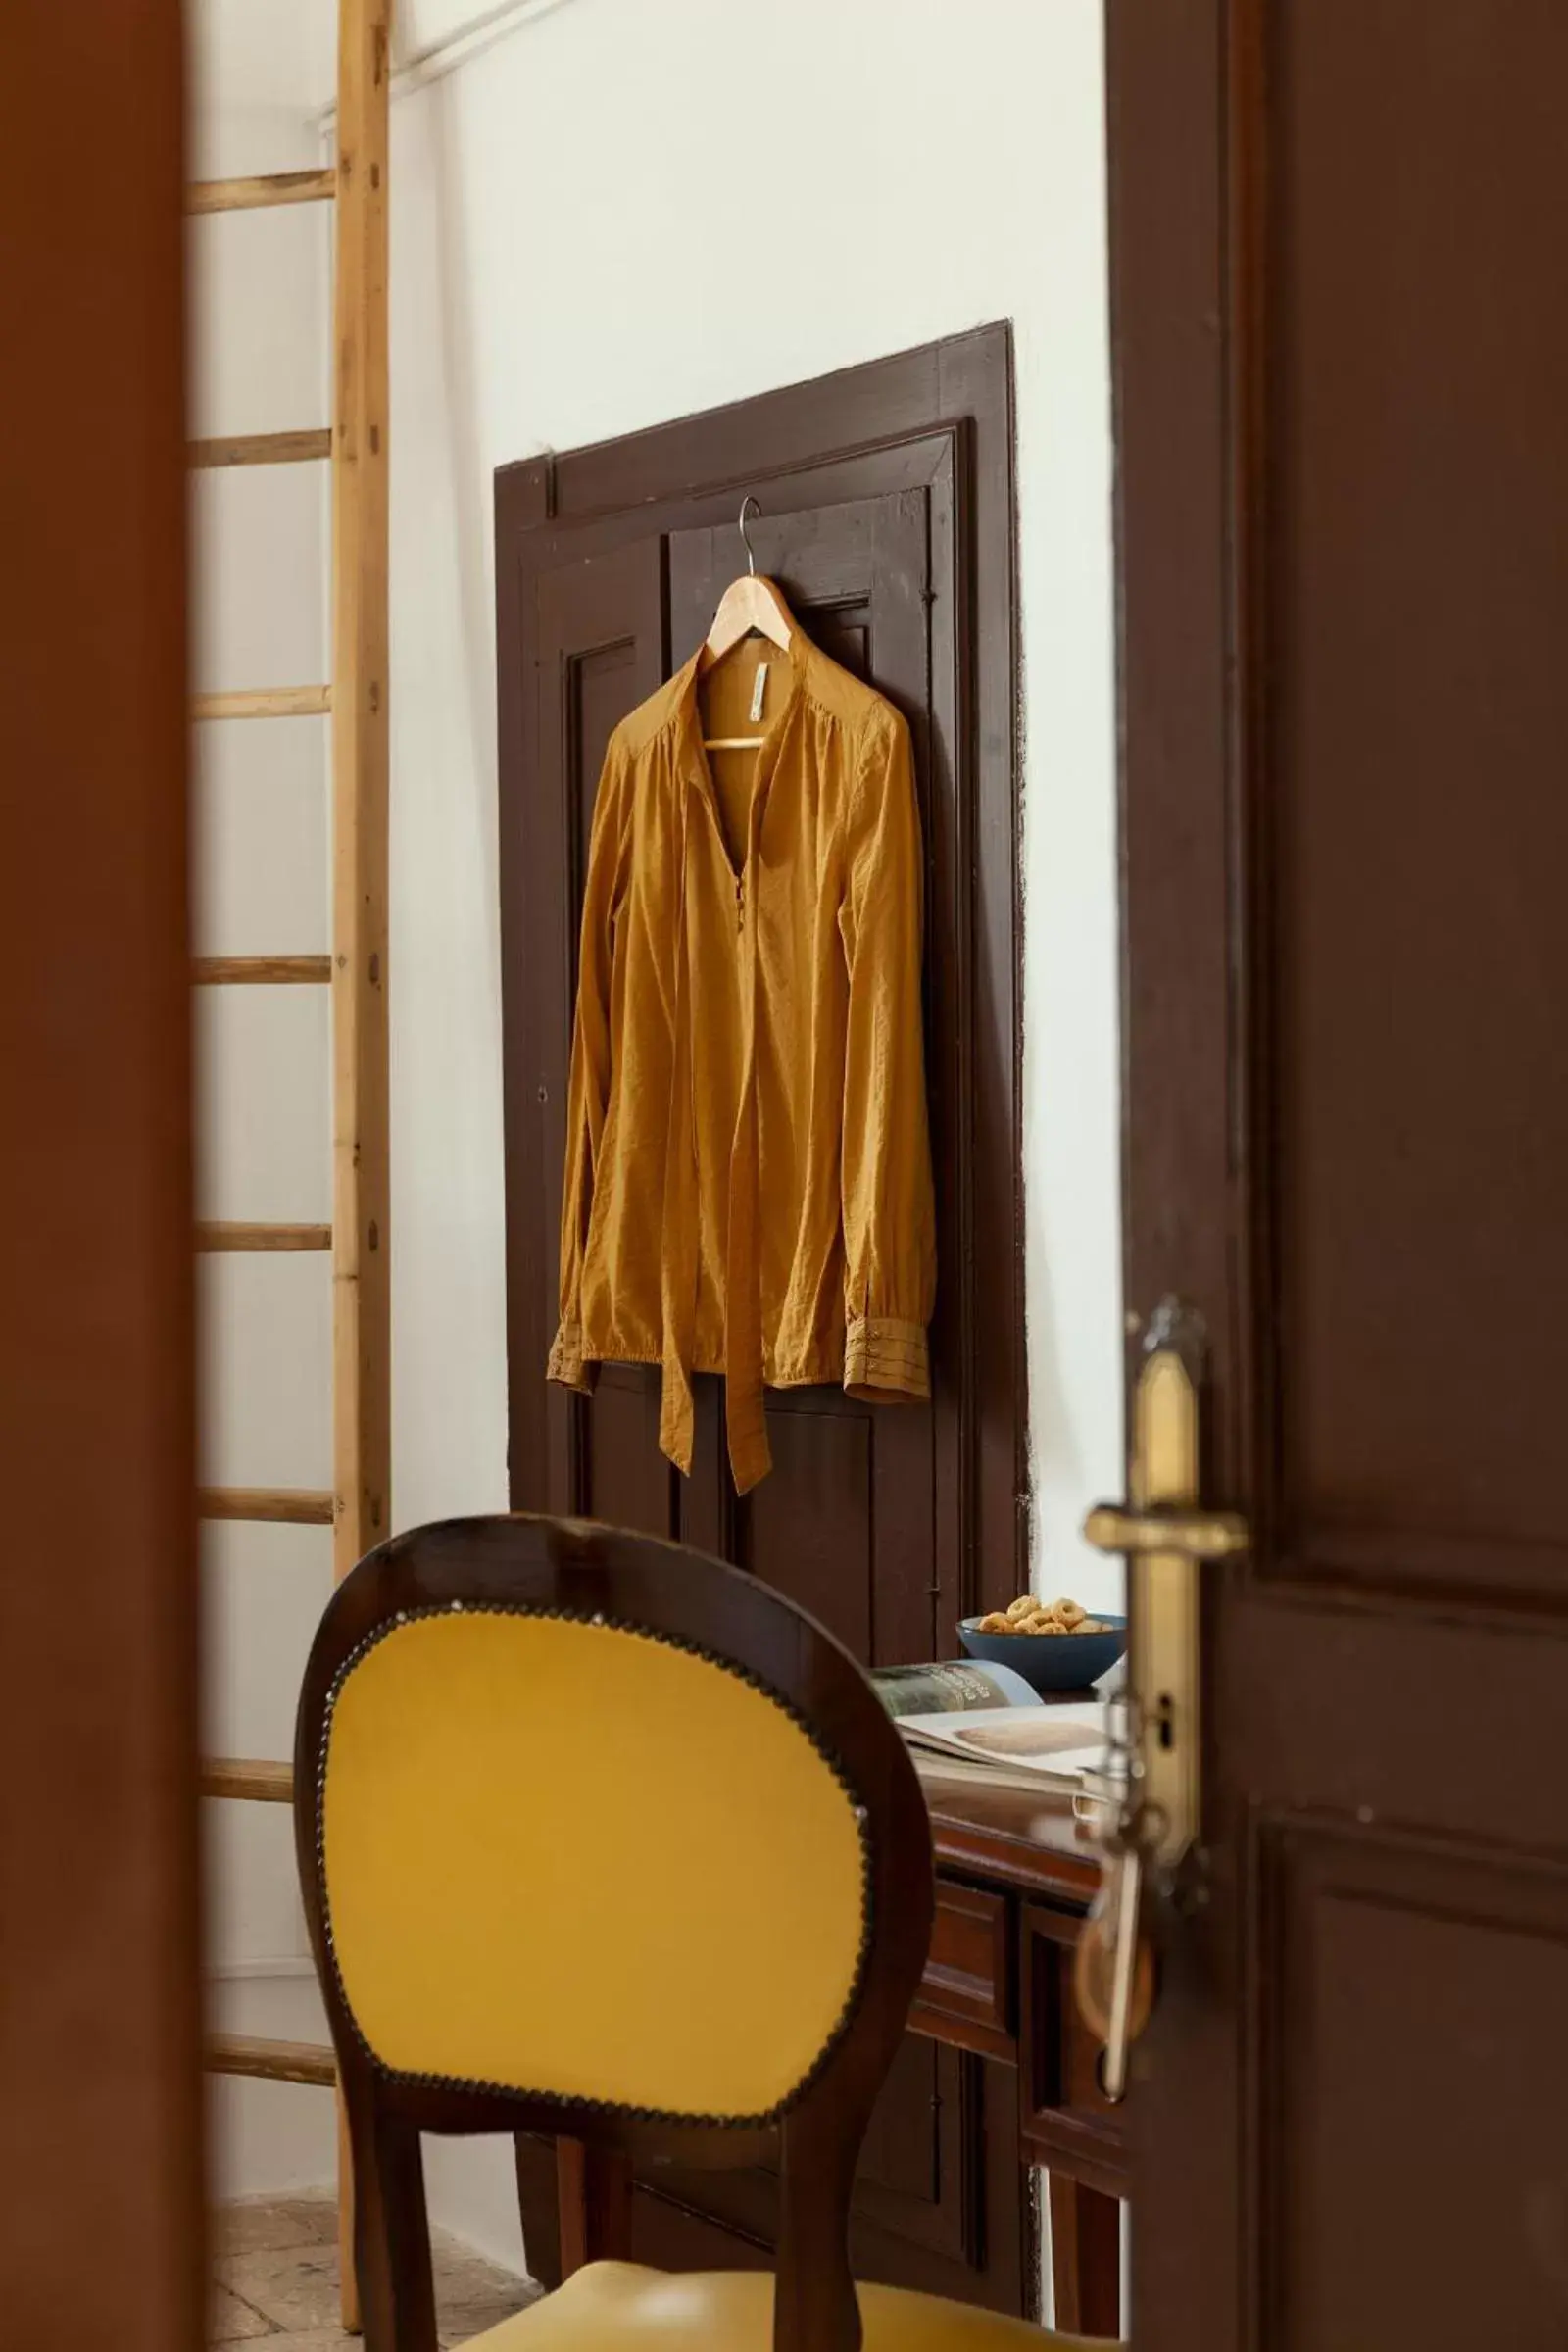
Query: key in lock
<point>1113,1969</point>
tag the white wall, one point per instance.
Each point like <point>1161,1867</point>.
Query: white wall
<point>570,226</point>
<point>573,237</point>
<point>571,242</point>
<point>259,305</point>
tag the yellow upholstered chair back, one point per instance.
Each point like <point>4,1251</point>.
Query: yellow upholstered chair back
<point>600,1835</point>
<point>569,1857</point>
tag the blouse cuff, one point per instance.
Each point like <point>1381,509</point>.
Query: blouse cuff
<point>882,1355</point>
<point>567,1358</point>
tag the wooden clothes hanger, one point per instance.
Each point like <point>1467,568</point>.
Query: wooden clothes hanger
<point>750,602</point>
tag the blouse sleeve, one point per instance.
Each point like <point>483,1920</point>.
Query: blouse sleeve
<point>888,1207</point>
<point>588,1093</point>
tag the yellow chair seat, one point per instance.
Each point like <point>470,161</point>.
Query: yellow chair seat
<point>618,2307</point>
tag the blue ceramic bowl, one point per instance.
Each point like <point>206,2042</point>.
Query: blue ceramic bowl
<point>1050,1661</point>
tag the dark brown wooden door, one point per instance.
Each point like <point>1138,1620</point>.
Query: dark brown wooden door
<point>1344,576</point>
<point>854,1522</point>
<point>100,1942</point>
<point>882,1523</point>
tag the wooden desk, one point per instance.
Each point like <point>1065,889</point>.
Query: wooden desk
<point>1013,1881</point>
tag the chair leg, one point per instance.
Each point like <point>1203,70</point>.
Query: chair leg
<point>392,2237</point>
<point>595,2189</point>
<point>1085,2258</point>
<point>348,2298</point>
<point>538,2206</point>
<point>814,2304</point>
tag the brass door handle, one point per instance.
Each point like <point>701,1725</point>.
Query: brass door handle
<point>1165,1533</point>
<point>1189,1535</point>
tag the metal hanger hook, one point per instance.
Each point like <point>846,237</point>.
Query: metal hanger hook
<point>750,500</point>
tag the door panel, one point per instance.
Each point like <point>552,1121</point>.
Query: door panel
<point>856,578</point>
<point>905,2161</point>
<point>911,2175</point>
<point>1416,583</point>
<point>1344,590</point>
<point>932,2209</point>
<point>1387,1957</point>
<point>807,1528</point>
<point>582,644</point>
<point>873,1519</point>
<point>625,1476</point>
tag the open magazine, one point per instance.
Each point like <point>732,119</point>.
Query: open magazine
<point>1056,1744</point>
<point>955,1686</point>
<point>984,1722</point>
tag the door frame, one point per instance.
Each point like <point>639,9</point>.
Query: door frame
<point>1183,212</point>
<point>958,390</point>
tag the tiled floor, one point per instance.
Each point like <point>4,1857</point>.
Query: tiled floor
<point>275,2280</point>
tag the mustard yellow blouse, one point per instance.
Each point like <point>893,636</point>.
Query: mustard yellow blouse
<point>747,1181</point>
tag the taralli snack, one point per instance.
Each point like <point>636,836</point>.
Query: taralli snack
<point>1029,1615</point>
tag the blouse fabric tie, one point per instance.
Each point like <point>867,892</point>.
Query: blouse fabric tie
<point>678,1257</point>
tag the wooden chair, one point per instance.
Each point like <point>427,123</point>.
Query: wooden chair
<point>601,1837</point>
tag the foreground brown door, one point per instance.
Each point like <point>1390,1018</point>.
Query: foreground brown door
<point>1341,307</point>
<point>100,2084</point>
<point>886,498</point>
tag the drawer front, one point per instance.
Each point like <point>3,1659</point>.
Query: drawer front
<point>1063,2111</point>
<point>968,1994</point>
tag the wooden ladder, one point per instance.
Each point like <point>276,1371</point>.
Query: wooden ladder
<point>358,1509</point>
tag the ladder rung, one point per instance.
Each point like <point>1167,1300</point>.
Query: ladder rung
<point>259,971</point>
<point>265,701</point>
<point>262,449</point>
<point>287,1506</point>
<point>278,2061</point>
<point>248,195</point>
<point>230,1236</point>
<point>253,1778</point>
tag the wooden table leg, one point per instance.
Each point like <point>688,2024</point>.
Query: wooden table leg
<point>1085,2257</point>
<point>595,2189</point>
